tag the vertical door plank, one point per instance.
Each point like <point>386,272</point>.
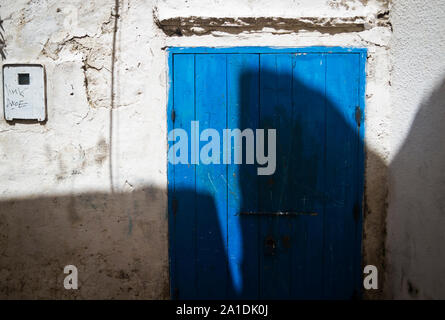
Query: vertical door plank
<point>243,76</point>
<point>184,233</point>
<point>211,180</point>
<point>307,172</point>
<point>275,113</point>
<point>342,80</point>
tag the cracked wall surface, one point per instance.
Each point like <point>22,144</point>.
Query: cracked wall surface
<point>88,187</point>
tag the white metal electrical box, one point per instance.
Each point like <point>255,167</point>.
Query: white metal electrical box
<point>24,96</point>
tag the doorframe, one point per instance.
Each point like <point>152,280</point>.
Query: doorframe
<point>360,171</point>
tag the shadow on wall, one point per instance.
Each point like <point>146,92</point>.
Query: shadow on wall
<point>417,207</point>
<point>117,241</point>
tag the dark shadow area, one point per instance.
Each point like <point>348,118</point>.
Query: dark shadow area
<point>117,242</point>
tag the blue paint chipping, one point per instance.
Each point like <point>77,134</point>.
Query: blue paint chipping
<point>310,96</point>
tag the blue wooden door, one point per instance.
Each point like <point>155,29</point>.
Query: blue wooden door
<point>294,234</point>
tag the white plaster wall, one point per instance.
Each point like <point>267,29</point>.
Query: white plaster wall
<point>88,187</point>
<point>416,213</point>
<point>277,9</point>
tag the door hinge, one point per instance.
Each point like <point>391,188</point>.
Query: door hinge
<point>174,206</point>
<point>173,116</point>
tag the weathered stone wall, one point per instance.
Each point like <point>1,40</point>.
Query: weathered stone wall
<point>88,187</point>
